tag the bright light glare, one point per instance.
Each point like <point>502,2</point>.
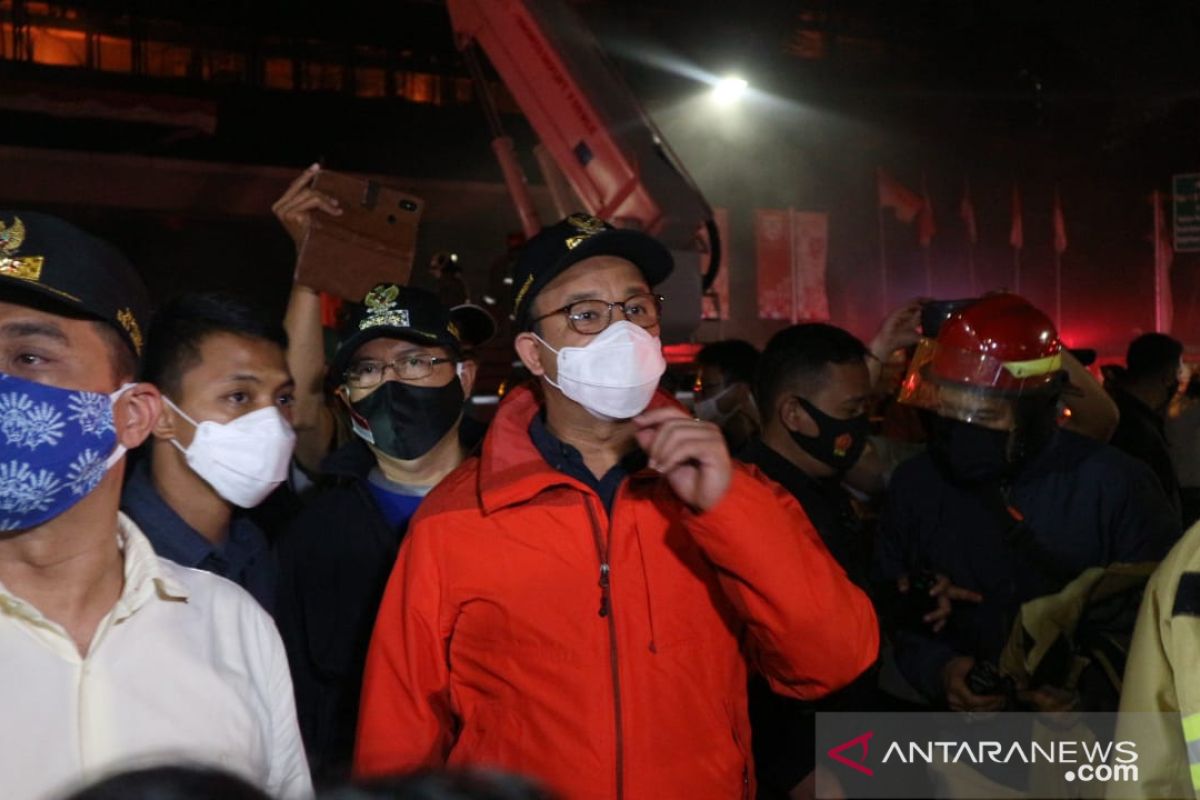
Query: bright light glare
<point>728,90</point>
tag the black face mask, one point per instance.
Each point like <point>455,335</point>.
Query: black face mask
<point>970,455</point>
<point>406,421</point>
<point>839,443</point>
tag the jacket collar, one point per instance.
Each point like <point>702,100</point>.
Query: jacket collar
<point>511,469</point>
<point>352,460</point>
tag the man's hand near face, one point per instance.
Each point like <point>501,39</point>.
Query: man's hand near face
<point>689,452</point>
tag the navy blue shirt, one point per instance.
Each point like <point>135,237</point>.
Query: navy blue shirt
<point>569,461</point>
<point>245,558</point>
<point>1084,504</point>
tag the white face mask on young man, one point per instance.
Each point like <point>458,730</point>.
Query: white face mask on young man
<point>614,375</point>
<point>243,459</point>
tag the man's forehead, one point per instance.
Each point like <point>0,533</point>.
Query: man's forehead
<point>390,345</point>
<point>17,318</point>
<point>235,347</point>
<point>841,382</point>
<point>597,272</point>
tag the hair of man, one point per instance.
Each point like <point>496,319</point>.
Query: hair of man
<point>181,325</point>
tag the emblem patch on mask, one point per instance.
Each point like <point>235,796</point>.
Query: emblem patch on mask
<point>587,227</point>
<point>381,309</point>
<point>842,445</point>
<point>27,268</point>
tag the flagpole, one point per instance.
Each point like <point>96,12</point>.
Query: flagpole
<point>883,270</point>
<point>1016,270</point>
<point>1058,290</point>
<point>1156,201</point>
<point>928,272</point>
<point>792,258</point>
<point>971,266</point>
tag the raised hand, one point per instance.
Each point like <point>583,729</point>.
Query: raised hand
<point>690,453</point>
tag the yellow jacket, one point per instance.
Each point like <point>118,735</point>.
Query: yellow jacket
<point>1163,675</point>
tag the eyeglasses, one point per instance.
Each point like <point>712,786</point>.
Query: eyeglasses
<point>368,373</point>
<point>593,316</point>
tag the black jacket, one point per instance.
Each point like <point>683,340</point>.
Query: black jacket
<point>334,560</point>
<point>1083,503</point>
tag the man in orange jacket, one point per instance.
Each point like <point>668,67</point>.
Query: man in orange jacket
<point>578,603</point>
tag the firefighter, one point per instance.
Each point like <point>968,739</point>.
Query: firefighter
<point>1005,503</point>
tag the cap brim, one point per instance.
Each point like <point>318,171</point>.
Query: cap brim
<point>475,325</point>
<point>347,349</point>
<point>55,297</point>
<point>646,253</point>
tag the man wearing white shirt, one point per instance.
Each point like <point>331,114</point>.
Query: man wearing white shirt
<point>112,656</point>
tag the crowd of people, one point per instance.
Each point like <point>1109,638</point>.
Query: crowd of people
<point>240,560</point>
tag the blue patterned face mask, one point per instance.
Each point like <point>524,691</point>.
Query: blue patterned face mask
<point>55,447</point>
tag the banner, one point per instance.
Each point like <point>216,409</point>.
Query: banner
<point>792,249</point>
<point>810,246</point>
<point>1186,210</point>
<point>773,247</point>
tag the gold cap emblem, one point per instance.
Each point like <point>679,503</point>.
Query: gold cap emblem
<point>27,268</point>
<point>522,291</point>
<point>381,309</point>
<point>130,324</point>
<point>587,227</point>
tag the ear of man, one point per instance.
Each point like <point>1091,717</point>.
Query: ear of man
<point>137,414</point>
<point>467,372</point>
<point>794,416</point>
<point>529,350</point>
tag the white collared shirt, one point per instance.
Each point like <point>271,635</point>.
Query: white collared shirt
<point>186,667</point>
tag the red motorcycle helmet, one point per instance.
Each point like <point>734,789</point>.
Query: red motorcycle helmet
<point>999,347</point>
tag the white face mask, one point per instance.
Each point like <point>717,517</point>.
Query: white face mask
<point>708,409</point>
<point>243,460</point>
<point>614,376</point>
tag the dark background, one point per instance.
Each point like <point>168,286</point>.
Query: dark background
<point>1098,99</point>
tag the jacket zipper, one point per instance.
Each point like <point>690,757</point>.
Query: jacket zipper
<point>602,547</point>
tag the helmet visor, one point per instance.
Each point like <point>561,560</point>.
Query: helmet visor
<point>974,387</point>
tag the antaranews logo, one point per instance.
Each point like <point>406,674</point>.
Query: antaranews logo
<point>946,755</point>
<point>861,742</point>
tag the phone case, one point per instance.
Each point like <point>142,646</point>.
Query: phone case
<point>373,240</point>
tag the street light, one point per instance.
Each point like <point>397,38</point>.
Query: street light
<point>728,90</point>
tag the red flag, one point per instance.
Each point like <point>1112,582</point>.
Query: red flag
<point>1060,225</point>
<point>894,195</point>
<point>966,210</point>
<point>1016,234</point>
<point>925,225</point>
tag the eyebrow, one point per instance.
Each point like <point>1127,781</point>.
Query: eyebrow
<point>631,291</point>
<point>31,329</point>
<point>245,377</point>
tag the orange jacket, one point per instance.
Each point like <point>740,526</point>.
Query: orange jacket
<point>524,628</point>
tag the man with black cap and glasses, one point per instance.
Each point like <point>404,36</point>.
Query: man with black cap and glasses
<point>110,654</point>
<point>577,602</point>
<point>399,376</point>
